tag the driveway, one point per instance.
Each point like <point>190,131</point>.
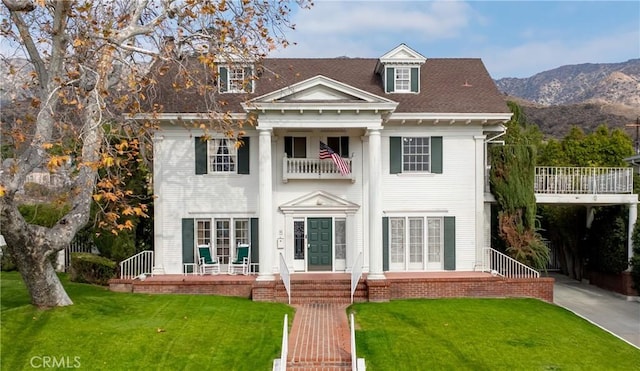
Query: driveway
<point>610,311</point>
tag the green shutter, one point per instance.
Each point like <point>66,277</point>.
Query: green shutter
<point>288,146</point>
<point>391,79</point>
<point>450,243</point>
<point>255,248</point>
<point>395,155</point>
<point>248,78</point>
<point>201,156</point>
<point>243,156</point>
<point>222,79</point>
<point>436,155</point>
<point>385,243</point>
<point>188,240</point>
<point>415,74</point>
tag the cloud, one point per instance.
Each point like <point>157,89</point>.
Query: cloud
<point>333,28</point>
<point>537,56</point>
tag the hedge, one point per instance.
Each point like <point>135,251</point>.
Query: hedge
<point>91,268</point>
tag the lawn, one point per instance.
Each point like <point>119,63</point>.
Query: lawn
<point>484,334</point>
<point>104,330</point>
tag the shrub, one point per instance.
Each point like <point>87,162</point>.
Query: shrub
<point>116,247</point>
<point>607,241</point>
<point>6,262</point>
<point>45,214</point>
<point>91,268</point>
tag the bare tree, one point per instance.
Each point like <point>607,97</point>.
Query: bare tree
<point>90,61</point>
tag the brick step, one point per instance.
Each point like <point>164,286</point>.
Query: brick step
<point>324,365</point>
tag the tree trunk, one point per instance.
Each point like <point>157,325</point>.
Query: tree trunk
<point>43,283</point>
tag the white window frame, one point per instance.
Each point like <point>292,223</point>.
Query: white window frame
<point>416,154</point>
<point>235,79</point>
<point>409,251</point>
<point>222,156</point>
<point>402,79</point>
<point>224,241</point>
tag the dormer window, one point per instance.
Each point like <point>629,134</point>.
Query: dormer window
<point>235,79</point>
<point>403,79</point>
<point>400,70</point>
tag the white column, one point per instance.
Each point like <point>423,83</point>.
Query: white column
<point>480,169</point>
<point>266,235</point>
<point>158,210</point>
<point>375,205</point>
<point>633,217</point>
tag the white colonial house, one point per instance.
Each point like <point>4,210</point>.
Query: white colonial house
<point>410,132</point>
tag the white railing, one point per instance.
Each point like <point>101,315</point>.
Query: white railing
<point>285,276</point>
<point>137,265</point>
<point>357,364</point>
<point>503,265</point>
<point>356,273</point>
<point>281,364</point>
<point>313,168</point>
<point>583,180</point>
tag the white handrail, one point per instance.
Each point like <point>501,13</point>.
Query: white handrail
<point>357,364</point>
<point>356,273</point>
<point>285,276</point>
<point>285,344</point>
<point>503,265</point>
<point>137,265</point>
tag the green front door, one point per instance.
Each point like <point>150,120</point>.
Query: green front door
<point>319,240</point>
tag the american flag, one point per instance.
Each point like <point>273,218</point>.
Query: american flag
<point>327,152</point>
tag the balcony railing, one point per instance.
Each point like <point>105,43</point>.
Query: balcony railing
<point>313,168</point>
<point>583,180</point>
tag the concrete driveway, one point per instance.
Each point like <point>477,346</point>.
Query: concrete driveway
<point>610,311</point>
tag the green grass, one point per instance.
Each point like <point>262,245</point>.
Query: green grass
<point>117,331</point>
<point>484,334</point>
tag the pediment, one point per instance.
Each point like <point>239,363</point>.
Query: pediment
<point>402,54</point>
<point>319,201</point>
<point>319,89</point>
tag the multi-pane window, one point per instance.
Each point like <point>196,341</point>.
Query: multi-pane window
<point>236,79</point>
<point>203,232</point>
<point>339,145</point>
<point>228,233</point>
<point>340,238</point>
<point>222,155</point>
<point>223,240</point>
<point>410,242</point>
<point>416,154</point>
<point>397,248</point>
<point>416,232</point>
<point>298,239</point>
<point>435,239</point>
<point>402,79</point>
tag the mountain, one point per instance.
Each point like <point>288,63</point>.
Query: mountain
<point>586,95</point>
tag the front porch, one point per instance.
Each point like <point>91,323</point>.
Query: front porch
<point>335,287</point>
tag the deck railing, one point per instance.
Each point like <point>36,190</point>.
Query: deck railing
<point>137,265</point>
<point>583,180</point>
<point>313,168</point>
<point>285,276</point>
<point>356,273</point>
<point>503,265</point>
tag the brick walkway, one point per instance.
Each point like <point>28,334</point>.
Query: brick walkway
<point>319,339</point>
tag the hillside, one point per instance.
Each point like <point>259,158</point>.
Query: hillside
<point>586,95</point>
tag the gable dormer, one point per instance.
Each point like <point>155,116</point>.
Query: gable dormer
<point>400,70</point>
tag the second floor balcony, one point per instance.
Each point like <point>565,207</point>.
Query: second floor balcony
<point>314,168</point>
<point>583,180</point>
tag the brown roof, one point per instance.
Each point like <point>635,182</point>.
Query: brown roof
<point>451,85</point>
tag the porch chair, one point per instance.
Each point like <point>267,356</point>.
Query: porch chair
<point>207,263</point>
<point>242,260</point>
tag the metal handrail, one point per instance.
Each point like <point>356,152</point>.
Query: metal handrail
<point>356,273</point>
<point>357,364</point>
<point>503,265</point>
<point>285,276</point>
<point>137,265</point>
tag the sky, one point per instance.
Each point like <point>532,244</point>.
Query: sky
<point>513,38</point>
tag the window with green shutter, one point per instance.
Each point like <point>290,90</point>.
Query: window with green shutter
<point>220,155</point>
<point>235,79</point>
<point>402,79</point>
<point>415,155</point>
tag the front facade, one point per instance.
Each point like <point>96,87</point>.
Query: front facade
<point>383,158</point>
